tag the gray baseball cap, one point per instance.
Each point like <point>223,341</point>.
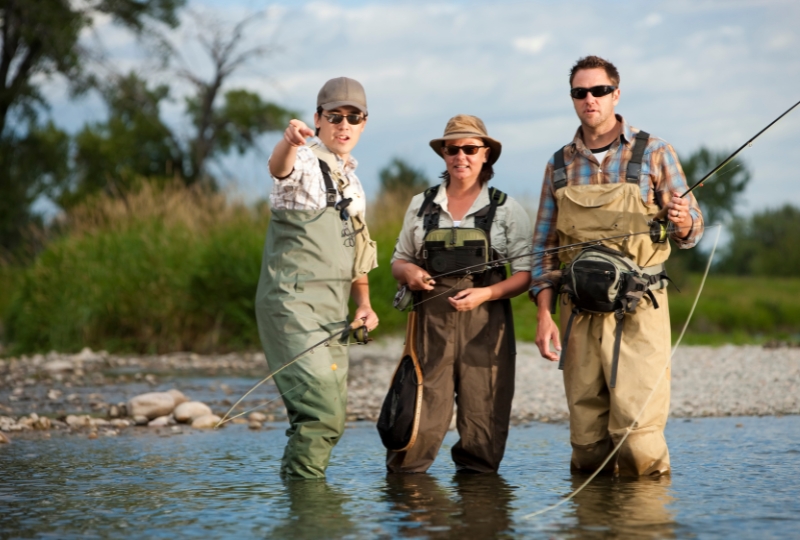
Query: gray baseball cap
<point>340,92</point>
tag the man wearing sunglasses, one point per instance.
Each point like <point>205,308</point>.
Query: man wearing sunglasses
<point>316,256</point>
<point>610,181</point>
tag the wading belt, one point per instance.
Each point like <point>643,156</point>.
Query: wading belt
<point>631,172</point>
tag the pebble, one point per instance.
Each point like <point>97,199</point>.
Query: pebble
<point>190,410</point>
<point>206,422</point>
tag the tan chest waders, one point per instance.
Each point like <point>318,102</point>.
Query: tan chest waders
<point>607,278</point>
<point>302,296</point>
<point>468,355</point>
<point>605,288</point>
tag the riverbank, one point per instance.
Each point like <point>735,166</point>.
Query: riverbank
<point>706,381</point>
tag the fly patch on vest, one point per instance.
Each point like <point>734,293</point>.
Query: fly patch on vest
<point>455,250</point>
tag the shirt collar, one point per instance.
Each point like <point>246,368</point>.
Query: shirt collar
<point>348,167</point>
<point>626,135</point>
<point>480,201</point>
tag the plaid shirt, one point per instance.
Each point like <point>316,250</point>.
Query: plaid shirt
<point>661,175</point>
<point>304,188</point>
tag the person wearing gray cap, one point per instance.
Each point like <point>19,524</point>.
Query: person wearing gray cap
<point>316,256</point>
<point>465,333</point>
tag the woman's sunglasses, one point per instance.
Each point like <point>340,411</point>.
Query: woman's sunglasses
<point>468,149</point>
<point>352,119</point>
<point>596,91</point>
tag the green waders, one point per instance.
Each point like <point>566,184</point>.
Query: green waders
<point>306,273</point>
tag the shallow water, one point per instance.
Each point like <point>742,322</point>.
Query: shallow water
<point>733,477</point>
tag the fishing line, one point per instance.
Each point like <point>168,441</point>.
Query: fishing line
<point>649,397</point>
<point>280,395</point>
<point>353,326</point>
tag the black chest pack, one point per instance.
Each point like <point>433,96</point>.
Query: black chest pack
<point>457,250</point>
<point>603,280</point>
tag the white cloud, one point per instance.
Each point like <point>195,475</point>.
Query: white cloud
<point>654,19</point>
<point>532,44</point>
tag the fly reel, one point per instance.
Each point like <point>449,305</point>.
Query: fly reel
<point>658,231</point>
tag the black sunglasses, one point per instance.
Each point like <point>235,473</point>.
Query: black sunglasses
<point>596,91</point>
<point>468,149</point>
<point>352,119</point>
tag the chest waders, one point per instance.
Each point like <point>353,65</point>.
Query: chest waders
<point>469,354</point>
<point>303,291</point>
<point>604,290</point>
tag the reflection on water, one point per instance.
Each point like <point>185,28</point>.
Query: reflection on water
<point>623,508</point>
<point>733,477</point>
<point>477,505</point>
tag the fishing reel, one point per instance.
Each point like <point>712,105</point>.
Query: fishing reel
<point>658,231</point>
<point>403,299</point>
<point>360,335</point>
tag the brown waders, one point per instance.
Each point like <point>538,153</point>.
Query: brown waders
<point>599,414</point>
<point>302,297</point>
<point>469,354</point>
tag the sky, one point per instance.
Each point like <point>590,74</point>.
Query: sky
<point>694,73</point>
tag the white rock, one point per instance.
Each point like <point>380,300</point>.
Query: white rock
<point>159,422</point>
<point>120,423</point>
<point>97,422</point>
<point>254,425</point>
<point>191,410</point>
<point>53,394</point>
<point>206,422</point>
<point>140,420</point>
<point>86,355</point>
<point>152,405</point>
<point>257,417</point>
<point>54,366</point>
<point>178,396</point>
<point>78,421</point>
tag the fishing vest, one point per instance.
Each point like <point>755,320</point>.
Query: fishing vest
<point>614,275</point>
<point>453,249</point>
<point>354,227</point>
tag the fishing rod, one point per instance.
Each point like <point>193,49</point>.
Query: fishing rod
<point>402,299</point>
<point>662,214</point>
<point>360,334</point>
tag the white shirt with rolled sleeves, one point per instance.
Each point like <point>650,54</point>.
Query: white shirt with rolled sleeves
<point>511,233</point>
<point>304,188</point>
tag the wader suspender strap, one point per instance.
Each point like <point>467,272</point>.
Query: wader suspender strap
<point>631,176</point>
<point>482,220</point>
<point>631,172</point>
<point>330,191</point>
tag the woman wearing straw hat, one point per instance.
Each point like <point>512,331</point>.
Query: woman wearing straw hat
<point>466,333</point>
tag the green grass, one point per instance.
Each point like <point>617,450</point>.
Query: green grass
<point>179,272</point>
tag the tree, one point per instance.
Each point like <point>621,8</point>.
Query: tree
<point>401,178</point>
<point>40,39</point>
<point>720,193</point>
<point>717,198</point>
<point>764,244</point>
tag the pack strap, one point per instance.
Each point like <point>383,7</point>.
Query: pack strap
<point>559,169</point>
<point>620,316</point>
<point>635,164</point>
<point>484,220</point>
<point>575,311</point>
<point>431,219</point>
<point>330,190</point>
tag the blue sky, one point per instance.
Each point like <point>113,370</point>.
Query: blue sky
<point>693,72</point>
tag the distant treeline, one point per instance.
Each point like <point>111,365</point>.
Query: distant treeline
<point>168,268</point>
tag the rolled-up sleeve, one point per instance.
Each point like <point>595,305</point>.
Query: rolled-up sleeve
<point>669,178</point>
<point>545,235</point>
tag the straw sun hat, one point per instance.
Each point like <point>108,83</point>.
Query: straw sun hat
<point>464,126</point>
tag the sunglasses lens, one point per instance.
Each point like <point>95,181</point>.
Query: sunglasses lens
<point>334,118</point>
<point>578,93</point>
<point>600,91</point>
<point>451,150</point>
<point>470,150</point>
<point>354,119</point>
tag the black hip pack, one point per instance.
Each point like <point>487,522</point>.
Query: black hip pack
<point>604,280</point>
